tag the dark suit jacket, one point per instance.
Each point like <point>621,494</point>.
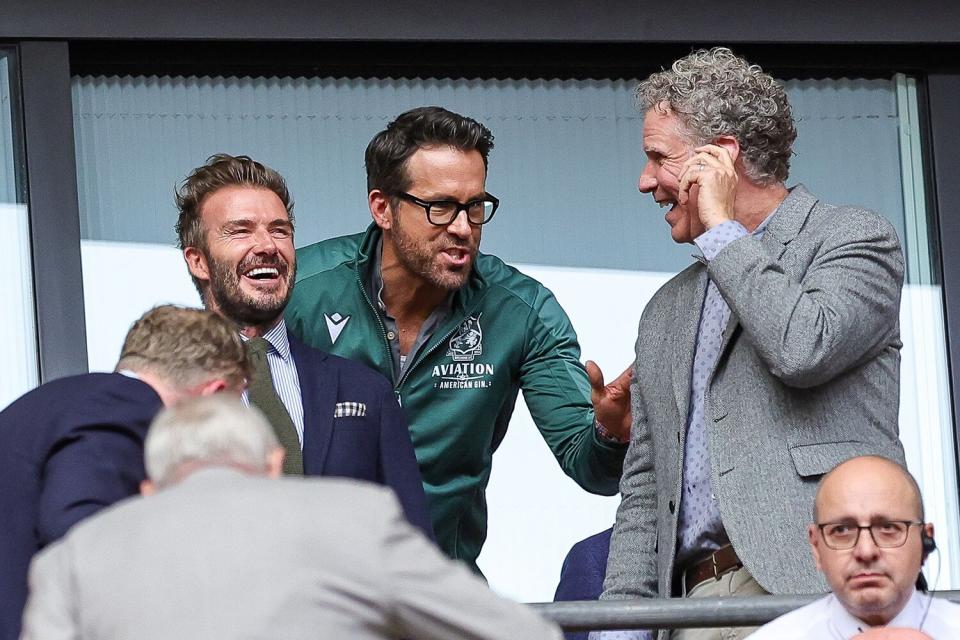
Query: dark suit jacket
<point>375,447</point>
<point>67,449</point>
<point>581,577</point>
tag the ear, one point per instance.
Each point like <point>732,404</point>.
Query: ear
<point>275,462</point>
<point>380,208</point>
<point>731,145</point>
<point>147,488</point>
<point>814,536</point>
<point>928,530</point>
<point>212,387</point>
<point>196,263</point>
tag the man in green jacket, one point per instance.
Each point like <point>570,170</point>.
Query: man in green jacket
<point>459,332</point>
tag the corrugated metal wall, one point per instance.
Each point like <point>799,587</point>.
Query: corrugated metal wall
<point>565,165</point>
<point>8,180</point>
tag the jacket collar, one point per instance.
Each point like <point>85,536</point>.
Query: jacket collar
<point>790,217</point>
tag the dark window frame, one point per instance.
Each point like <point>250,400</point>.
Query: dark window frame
<point>46,68</point>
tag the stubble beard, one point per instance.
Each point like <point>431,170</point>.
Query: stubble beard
<point>239,307</point>
<point>418,257</point>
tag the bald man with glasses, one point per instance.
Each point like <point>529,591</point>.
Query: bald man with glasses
<point>869,539</point>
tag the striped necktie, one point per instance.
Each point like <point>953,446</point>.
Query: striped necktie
<point>261,393</point>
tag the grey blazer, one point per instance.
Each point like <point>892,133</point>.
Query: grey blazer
<point>228,556</point>
<point>808,376</point>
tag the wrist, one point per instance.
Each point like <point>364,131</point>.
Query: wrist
<point>607,436</point>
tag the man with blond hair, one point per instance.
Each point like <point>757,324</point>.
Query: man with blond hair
<point>75,445</point>
<point>222,549</point>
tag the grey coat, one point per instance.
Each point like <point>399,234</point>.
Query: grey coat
<point>808,376</point>
<point>228,556</point>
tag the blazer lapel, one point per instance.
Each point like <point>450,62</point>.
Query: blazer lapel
<point>689,301</point>
<point>788,220</point>
<point>318,390</point>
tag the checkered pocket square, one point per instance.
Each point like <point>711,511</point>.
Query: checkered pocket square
<point>350,409</point>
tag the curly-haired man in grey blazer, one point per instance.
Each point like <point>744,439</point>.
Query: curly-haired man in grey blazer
<point>760,367</point>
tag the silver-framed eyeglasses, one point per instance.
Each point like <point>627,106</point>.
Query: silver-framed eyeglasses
<point>443,212</point>
<point>886,534</point>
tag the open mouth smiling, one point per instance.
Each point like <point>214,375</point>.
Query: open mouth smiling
<point>263,273</point>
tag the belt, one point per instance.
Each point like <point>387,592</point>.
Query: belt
<point>720,562</point>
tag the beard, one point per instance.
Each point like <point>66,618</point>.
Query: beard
<point>419,256</point>
<point>237,305</point>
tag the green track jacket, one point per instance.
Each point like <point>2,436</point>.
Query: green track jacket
<point>506,332</point>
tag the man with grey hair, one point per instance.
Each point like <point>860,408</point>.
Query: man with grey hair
<point>75,445</point>
<point>220,550</point>
<point>771,359</point>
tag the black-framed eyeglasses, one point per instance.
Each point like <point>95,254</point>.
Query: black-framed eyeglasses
<point>443,212</point>
<point>888,534</point>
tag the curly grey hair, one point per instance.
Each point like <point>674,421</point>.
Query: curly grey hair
<point>716,93</point>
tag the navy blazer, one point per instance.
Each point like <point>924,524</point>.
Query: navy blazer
<point>584,569</point>
<point>375,447</point>
<point>67,449</point>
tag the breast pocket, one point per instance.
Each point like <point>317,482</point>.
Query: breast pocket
<point>819,458</point>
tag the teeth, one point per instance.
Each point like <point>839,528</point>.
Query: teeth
<point>262,271</point>
<point>666,204</point>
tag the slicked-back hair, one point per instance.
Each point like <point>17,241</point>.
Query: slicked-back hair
<point>716,93</point>
<point>185,347</point>
<point>387,154</point>
<point>221,170</point>
<point>215,430</point>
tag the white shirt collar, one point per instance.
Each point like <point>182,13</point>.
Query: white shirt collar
<point>277,337</point>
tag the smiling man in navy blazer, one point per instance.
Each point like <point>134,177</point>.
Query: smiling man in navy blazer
<point>333,416</point>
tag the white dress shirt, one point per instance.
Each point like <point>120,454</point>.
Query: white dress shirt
<point>826,619</point>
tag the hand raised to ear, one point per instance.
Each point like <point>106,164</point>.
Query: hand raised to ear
<point>712,170</point>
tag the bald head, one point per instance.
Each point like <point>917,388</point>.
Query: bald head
<point>867,497</point>
<point>865,476</point>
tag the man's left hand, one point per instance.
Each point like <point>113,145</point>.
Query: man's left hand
<point>611,402</point>
<point>711,168</point>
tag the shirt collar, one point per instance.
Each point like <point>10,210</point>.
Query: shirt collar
<point>277,337</point>
<point>762,227</point>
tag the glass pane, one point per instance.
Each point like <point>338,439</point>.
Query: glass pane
<point>926,419</point>
<point>565,168</point>
<point>18,350</point>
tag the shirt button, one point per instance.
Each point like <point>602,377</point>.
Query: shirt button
<point>672,506</point>
<point>391,335</point>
